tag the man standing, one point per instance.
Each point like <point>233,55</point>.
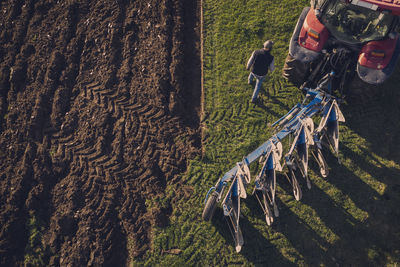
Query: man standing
<point>260,61</point>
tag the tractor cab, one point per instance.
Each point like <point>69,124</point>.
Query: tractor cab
<point>364,31</point>
<point>355,24</point>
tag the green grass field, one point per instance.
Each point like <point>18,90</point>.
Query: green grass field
<point>350,218</point>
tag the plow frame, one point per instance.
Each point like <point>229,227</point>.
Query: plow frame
<point>297,123</point>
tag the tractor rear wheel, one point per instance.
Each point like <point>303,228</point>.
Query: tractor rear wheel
<point>211,204</point>
<point>294,71</point>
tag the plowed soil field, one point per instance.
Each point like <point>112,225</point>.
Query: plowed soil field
<point>99,112</point>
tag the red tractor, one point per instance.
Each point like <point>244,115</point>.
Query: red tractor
<point>348,37</point>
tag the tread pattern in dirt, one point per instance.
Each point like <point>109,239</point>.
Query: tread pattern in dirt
<point>93,128</point>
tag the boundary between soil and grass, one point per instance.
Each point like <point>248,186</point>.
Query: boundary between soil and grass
<point>202,124</point>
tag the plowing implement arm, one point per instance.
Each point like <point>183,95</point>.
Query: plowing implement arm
<point>305,111</point>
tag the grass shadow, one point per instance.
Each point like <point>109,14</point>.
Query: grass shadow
<point>368,229</point>
<point>257,249</point>
<point>375,119</point>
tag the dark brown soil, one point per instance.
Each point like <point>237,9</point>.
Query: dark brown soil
<point>99,111</point>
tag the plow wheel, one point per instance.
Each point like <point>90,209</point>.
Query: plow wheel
<point>211,204</point>
<point>294,71</point>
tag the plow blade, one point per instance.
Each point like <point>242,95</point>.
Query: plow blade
<point>266,182</point>
<point>302,152</point>
<point>323,166</point>
<point>231,203</point>
<point>319,157</point>
<point>333,135</point>
<point>265,185</point>
<point>271,187</point>
<point>329,125</point>
<point>297,193</point>
<point>231,207</point>
<point>232,211</point>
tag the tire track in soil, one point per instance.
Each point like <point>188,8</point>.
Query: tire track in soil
<point>100,122</point>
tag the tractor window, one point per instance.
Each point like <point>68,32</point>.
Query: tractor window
<point>354,24</point>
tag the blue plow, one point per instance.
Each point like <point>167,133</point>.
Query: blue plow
<point>307,139</point>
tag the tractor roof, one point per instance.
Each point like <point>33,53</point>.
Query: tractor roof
<point>393,5</point>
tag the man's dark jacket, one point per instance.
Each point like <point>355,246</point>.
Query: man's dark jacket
<point>261,61</point>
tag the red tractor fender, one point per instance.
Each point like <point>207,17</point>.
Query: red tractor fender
<point>313,34</point>
<point>377,54</point>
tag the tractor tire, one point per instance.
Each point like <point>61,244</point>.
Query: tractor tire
<point>294,71</point>
<point>210,206</point>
